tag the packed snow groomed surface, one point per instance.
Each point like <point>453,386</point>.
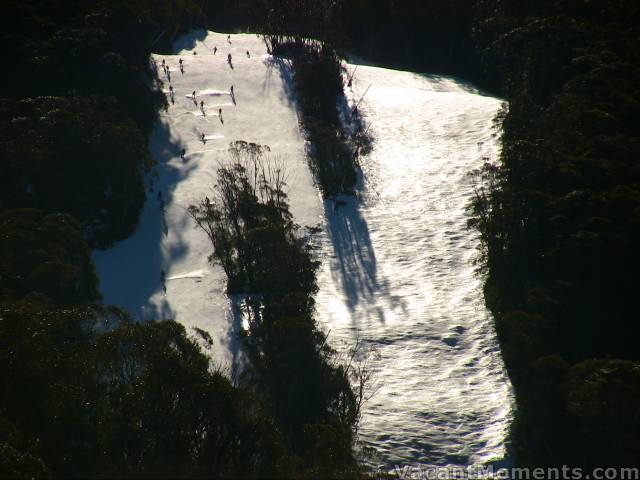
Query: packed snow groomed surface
<point>399,273</point>
<point>397,268</point>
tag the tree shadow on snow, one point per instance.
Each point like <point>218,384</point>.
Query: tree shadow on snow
<point>355,266</point>
<point>356,270</point>
<point>131,271</point>
<point>283,67</point>
<point>189,41</point>
<point>433,78</point>
<point>444,83</point>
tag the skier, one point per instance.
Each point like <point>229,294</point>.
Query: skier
<point>215,49</point>
<point>229,59</point>
<point>248,54</point>
<point>170,89</point>
<point>202,137</point>
<point>231,90</point>
<point>220,115</point>
<point>182,153</point>
<point>229,38</point>
<point>193,95</point>
<point>195,53</point>
<point>180,62</point>
<point>163,62</point>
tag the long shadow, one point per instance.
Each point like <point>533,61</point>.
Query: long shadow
<point>356,265</point>
<point>447,81</point>
<point>284,69</point>
<point>189,41</point>
<point>355,257</point>
<point>131,271</point>
<point>433,77</point>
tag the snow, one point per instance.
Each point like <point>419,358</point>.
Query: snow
<point>130,271</point>
<point>399,274</point>
<point>397,261</point>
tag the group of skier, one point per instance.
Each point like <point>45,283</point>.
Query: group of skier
<point>203,138</point>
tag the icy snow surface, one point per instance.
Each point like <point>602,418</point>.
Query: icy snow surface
<point>397,261</point>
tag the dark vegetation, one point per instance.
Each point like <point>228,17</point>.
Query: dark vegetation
<point>317,74</point>
<point>44,257</point>
<point>318,83</point>
<point>100,396</point>
<point>79,155</point>
<point>307,34</point>
<point>424,35</point>
<point>559,218</point>
<point>290,363</point>
<point>76,108</point>
<point>85,392</point>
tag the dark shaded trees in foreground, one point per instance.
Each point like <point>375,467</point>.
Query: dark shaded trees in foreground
<point>100,396</point>
<point>86,392</point>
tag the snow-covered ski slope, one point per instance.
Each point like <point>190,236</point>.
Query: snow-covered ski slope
<point>396,268</point>
<point>131,272</point>
<point>399,273</point>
